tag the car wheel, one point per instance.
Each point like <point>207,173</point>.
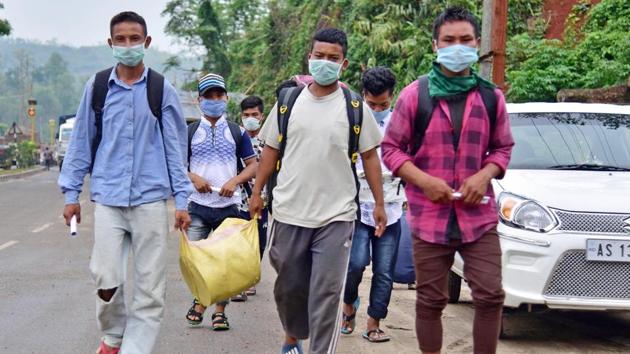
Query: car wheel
<point>503,334</point>
<point>454,287</point>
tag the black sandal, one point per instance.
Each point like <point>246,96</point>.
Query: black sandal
<point>220,322</point>
<point>193,313</point>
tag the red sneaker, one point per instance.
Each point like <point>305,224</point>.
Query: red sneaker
<point>106,349</point>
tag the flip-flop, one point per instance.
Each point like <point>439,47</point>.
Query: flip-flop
<point>382,337</point>
<point>242,297</point>
<point>292,348</point>
<point>350,319</point>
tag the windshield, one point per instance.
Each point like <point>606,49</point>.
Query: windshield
<point>570,141</point>
<point>65,134</point>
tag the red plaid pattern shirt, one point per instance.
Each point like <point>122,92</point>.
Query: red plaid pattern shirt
<point>438,158</point>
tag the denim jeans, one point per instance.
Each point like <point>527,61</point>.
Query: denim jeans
<point>205,220</point>
<point>384,250</point>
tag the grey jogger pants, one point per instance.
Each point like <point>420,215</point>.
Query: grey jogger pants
<point>311,266</point>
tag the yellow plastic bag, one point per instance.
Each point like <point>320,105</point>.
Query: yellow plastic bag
<point>224,264</point>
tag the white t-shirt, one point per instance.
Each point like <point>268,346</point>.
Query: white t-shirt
<point>394,194</point>
<point>316,185</point>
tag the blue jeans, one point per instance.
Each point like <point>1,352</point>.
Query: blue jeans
<point>384,251</point>
<point>206,219</point>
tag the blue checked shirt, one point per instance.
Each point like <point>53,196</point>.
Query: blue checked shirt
<point>134,165</point>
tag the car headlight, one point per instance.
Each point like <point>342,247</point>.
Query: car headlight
<point>525,213</point>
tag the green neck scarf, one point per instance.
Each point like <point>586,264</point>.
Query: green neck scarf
<point>441,86</point>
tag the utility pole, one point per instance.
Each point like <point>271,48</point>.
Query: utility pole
<point>485,66</point>
<point>493,41</point>
<point>32,113</point>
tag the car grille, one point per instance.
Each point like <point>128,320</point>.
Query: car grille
<point>574,276</point>
<point>592,222</point>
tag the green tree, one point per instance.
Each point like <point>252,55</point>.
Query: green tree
<point>197,23</point>
<point>5,27</point>
<point>597,55</point>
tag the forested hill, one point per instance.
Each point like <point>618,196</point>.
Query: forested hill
<point>55,75</point>
<point>82,61</point>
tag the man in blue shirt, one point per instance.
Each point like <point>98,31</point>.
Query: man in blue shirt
<point>139,163</point>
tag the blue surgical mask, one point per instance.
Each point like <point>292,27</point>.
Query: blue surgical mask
<point>458,57</point>
<point>251,123</point>
<point>324,72</point>
<point>213,108</point>
<point>380,116</point>
<point>129,56</point>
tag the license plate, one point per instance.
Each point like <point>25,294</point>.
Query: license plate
<point>608,250</point>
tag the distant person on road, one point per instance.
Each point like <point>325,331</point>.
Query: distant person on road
<point>456,140</point>
<point>252,109</point>
<point>314,201</point>
<point>217,150</point>
<point>378,93</point>
<point>48,158</point>
<point>134,147</point>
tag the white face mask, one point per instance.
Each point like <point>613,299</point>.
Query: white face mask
<point>251,123</point>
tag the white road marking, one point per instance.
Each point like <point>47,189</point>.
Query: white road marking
<point>8,244</point>
<point>42,228</point>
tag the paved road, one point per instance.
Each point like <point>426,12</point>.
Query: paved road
<point>47,299</point>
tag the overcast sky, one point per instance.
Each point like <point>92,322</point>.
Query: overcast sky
<point>81,22</point>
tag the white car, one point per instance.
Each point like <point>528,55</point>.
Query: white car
<point>564,208</point>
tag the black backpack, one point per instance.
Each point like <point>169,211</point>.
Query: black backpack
<point>237,135</point>
<point>354,109</point>
<point>155,93</point>
<point>426,105</point>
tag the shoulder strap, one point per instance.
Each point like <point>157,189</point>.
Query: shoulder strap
<point>354,107</point>
<point>192,128</point>
<point>237,135</point>
<point>286,101</point>
<point>155,93</point>
<point>99,93</point>
<point>423,113</point>
<point>489,98</point>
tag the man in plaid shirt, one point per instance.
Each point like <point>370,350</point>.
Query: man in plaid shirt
<point>460,152</point>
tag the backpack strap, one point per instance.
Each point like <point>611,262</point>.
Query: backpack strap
<point>99,93</point>
<point>192,128</point>
<point>490,102</point>
<point>286,101</point>
<point>237,135</point>
<point>155,94</point>
<point>354,107</point>
<point>423,114</point>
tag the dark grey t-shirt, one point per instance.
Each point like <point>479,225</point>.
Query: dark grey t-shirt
<point>456,107</point>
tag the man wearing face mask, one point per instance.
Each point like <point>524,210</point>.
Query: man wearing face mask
<point>378,93</point>
<point>313,205</point>
<point>458,145</point>
<point>252,108</point>
<point>216,147</point>
<point>130,135</point>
